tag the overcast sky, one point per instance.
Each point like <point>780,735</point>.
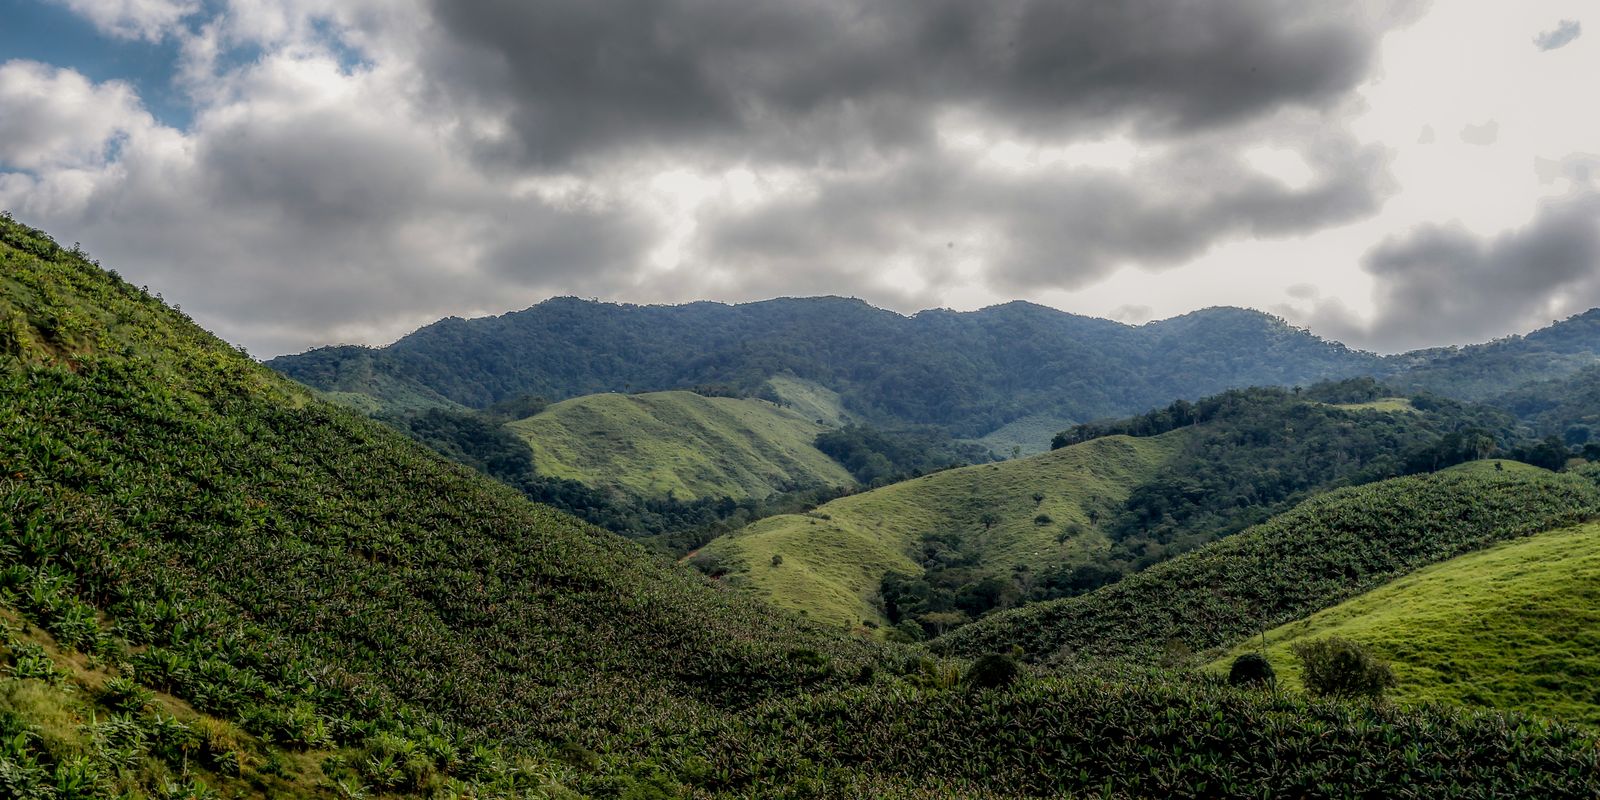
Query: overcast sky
<point>303,172</point>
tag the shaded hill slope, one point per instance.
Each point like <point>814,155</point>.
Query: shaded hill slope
<point>833,558</point>
<point>1326,550</point>
<point>969,372</point>
<point>680,444</point>
<point>1515,626</point>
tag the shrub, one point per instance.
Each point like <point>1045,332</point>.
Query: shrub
<point>1339,667</point>
<point>122,694</point>
<point>992,671</point>
<point>1252,670</point>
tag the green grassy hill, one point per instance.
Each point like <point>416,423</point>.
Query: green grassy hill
<point>1516,626</point>
<point>1030,435</point>
<point>1323,552</point>
<point>834,557</point>
<point>679,443</point>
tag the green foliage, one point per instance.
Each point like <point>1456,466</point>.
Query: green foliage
<point>679,445</point>
<point>969,373</point>
<point>1515,626</point>
<point>992,671</point>
<point>309,574</point>
<point>1252,670</point>
<point>1339,667</point>
<point>1256,452</point>
<point>876,457</point>
<point>1324,551</point>
<point>1487,371</point>
<point>355,616</point>
<point>1138,735</point>
<point>959,527</point>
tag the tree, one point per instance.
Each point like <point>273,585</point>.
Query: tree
<point>992,671</point>
<point>1339,667</point>
<point>1252,670</point>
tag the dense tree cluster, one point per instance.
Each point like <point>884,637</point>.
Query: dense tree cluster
<point>1255,452</point>
<point>876,457</point>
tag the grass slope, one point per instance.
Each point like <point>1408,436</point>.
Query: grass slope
<point>1516,626</point>
<point>811,400</point>
<point>679,443</point>
<point>1030,434</point>
<point>835,556</point>
<point>1324,551</point>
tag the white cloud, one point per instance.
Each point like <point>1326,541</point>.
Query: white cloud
<point>150,20</point>
<point>55,118</point>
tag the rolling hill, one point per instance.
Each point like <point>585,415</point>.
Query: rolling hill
<point>1323,552</point>
<point>679,444</point>
<point>1515,626</point>
<point>833,558</point>
<point>213,584</point>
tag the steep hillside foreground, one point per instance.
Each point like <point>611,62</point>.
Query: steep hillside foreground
<point>216,584</point>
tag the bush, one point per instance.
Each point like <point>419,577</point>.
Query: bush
<point>1338,667</point>
<point>1252,670</point>
<point>992,671</point>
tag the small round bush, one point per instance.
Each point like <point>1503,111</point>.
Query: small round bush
<point>993,671</point>
<point>1252,670</point>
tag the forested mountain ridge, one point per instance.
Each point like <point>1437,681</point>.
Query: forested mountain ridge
<point>1485,371</point>
<point>969,372</point>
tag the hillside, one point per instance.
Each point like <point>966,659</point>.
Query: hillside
<point>1485,371</point>
<point>971,373</point>
<point>833,558</point>
<point>1323,552</point>
<point>198,525</point>
<point>1515,626</point>
<point>213,584</point>
<point>679,444</point>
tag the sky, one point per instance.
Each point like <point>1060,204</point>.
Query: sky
<point>292,173</point>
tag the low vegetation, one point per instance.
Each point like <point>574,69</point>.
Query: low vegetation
<point>1326,550</point>
<point>1515,626</point>
<point>680,445</point>
<point>979,525</point>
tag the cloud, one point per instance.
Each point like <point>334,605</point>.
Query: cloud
<point>1559,37</point>
<point>298,216</point>
<point>821,79</point>
<point>1036,228</point>
<point>53,116</point>
<point>355,168</point>
<point>150,20</point>
<point>1441,284</point>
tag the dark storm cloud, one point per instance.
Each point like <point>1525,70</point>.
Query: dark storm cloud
<point>826,78</point>
<point>1044,228</point>
<point>1561,36</point>
<point>1443,284</point>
